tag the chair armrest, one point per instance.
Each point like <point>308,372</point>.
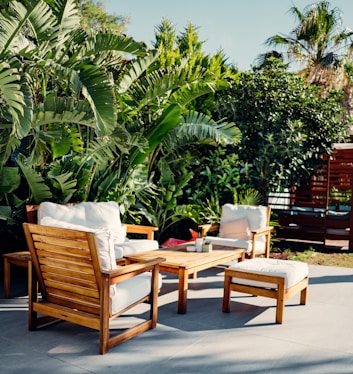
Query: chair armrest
<point>126,272</point>
<point>208,227</point>
<point>262,230</point>
<point>140,229</point>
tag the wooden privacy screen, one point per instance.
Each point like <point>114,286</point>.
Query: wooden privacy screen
<point>320,208</point>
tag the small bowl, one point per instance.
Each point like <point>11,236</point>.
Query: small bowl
<point>190,248</point>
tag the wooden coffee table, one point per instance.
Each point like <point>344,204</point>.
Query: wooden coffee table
<point>179,261</point>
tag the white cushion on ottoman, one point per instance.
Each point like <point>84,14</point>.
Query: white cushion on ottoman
<point>292,271</point>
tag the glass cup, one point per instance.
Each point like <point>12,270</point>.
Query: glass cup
<point>198,244</point>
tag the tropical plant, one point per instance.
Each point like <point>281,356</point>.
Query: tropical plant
<point>318,43</point>
<point>56,94</point>
<point>81,121</point>
<point>182,74</point>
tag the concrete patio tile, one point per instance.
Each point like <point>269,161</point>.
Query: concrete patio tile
<point>315,338</point>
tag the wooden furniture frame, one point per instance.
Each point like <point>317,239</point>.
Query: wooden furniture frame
<point>280,293</point>
<point>65,263</point>
<point>179,261</point>
<point>18,259</point>
<point>265,231</point>
<point>21,258</point>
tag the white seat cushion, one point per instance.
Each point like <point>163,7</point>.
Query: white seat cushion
<point>238,243</point>
<point>133,246</point>
<point>128,292</point>
<point>292,271</point>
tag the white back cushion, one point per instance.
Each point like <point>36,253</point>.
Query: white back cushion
<point>102,214</point>
<point>74,214</point>
<point>104,240</point>
<point>89,214</point>
<point>236,229</point>
<point>255,215</point>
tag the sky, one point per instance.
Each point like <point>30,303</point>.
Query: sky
<point>237,27</point>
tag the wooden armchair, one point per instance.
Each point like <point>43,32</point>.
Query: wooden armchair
<point>66,264</point>
<point>242,226</point>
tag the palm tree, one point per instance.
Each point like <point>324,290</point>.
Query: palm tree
<point>317,43</point>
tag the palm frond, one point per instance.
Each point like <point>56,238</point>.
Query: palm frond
<point>200,127</point>
<point>65,183</point>
<point>68,18</point>
<point>14,92</point>
<point>39,190</point>
<point>113,42</point>
<point>9,179</point>
<point>167,121</point>
<point>35,13</point>
<point>10,88</point>
<point>9,142</point>
<point>97,88</point>
<point>135,70</point>
<point>190,92</point>
<point>63,110</point>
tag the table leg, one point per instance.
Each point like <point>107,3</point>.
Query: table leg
<point>183,290</point>
<point>6,278</point>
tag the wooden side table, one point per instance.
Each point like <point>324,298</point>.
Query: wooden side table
<point>15,258</point>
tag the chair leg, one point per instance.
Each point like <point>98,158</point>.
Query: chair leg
<point>226,294</point>
<point>279,311</point>
<point>32,298</point>
<point>154,297</point>
<point>303,295</point>
<point>7,277</point>
<point>104,333</point>
<point>280,302</point>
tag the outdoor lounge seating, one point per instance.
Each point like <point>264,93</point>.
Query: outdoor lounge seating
<point>95,215</point>
<point>80,282</point>
<point>277,279</point>
<point>242,226</point>
<point>84,216</point>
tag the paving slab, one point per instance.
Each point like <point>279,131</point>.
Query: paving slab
<point>314,338</point>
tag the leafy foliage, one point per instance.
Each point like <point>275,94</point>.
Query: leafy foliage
<point>285,126</point>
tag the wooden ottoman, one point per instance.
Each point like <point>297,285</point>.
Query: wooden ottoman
<point>277,279</point>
